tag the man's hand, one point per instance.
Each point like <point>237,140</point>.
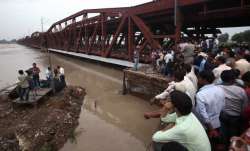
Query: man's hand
<point>213,133</point>
<point>169,126</point>
<point>238,144</point>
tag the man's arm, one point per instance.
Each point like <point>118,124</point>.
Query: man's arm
<point>168,135</point>
<point>201,110</point>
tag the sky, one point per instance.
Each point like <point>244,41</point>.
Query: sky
<point>19,18</point>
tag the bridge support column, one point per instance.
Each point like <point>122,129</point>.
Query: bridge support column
<point>130,38</point>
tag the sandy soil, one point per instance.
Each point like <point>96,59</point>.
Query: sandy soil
<point>45,128</point>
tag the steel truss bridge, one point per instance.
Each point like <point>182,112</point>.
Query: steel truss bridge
<point>115,32</point>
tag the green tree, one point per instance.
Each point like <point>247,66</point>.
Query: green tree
<point>242,37</point>
<point>223,38</point>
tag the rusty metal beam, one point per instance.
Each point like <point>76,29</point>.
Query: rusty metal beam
<point>146,32</point>
<point>116,35</point>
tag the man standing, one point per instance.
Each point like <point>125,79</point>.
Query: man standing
<point>243,65</point>
<point>221,62</point>
<point>210,100</point>
<point>235,101</point>
<point>23,86</point>
<point>36,77</point>
<point>136,58</point>
<point>188,53</point>
<point>61,75</point>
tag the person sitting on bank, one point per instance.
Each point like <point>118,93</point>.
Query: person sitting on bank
<point>182,83</point>
<point>183,127</point>
<point>23,86</point>
<point>173,146</point>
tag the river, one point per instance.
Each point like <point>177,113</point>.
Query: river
<point>109,121</point>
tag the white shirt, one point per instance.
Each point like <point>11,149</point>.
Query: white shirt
<point>48,73</point>
<point>61,71</point>
<point>168,57</point>
<point>217,72</point>
<point>182,46</point>
<point>243,65</point>
<point>185,86</point>
<point>193,78</point>
<point>210,102</point>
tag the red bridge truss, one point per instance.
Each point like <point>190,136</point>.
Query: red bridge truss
<point>115,32</point>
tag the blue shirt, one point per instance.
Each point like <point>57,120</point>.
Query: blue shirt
<point>210,101</point>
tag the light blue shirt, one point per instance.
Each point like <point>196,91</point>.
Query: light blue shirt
<point>210,101</point>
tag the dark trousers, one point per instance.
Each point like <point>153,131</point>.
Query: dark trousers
<point>24,92</point>
<point>62,80</point>
<point>170,146</point>
<point>36,80</point>
<point>230,126</point>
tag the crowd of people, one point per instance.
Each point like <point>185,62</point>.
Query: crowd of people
<point>206,106</point>
<point>29,81</point>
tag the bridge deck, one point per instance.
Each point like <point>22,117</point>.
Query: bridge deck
<point>118,62</point>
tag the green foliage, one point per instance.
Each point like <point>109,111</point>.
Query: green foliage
<point>46,147</point>
<point>242,37</point>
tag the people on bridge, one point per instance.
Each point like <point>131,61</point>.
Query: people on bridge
<point>136,57</point>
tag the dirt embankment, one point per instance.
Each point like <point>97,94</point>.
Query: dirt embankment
<point>45,128</point>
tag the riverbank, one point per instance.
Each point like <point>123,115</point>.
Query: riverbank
<point>106,112</point>
<point>46,127</point>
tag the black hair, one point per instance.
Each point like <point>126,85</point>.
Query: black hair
<point>236,72</point>
<point>181,102</point>
<point>228,76</point>
<point>231,54</point>
<point>247,57</point>
<point>20,72</point>
<point>246,77</point>
<point>28,72</point>
<point>207,75</point>
<point>173,146</point>
<point>221,59</point>
<point>179,74</point>
<point>188,68</point>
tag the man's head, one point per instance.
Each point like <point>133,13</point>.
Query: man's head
<point>20,72</point>
<point>205,77</point>
<point>58,67</point>
<point>179,75</point>
<point>228,76</point>
<point>181,102</point>
<point>220,60</point>
<point>188,67</point>
<point>246,78</point>
<point>34,64</point>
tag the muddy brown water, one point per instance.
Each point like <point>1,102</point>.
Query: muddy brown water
<point>109,121</point>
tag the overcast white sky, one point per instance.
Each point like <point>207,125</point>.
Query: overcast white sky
<point>22,17</point>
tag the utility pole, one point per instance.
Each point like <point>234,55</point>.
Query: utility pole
<point>42,23</point>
